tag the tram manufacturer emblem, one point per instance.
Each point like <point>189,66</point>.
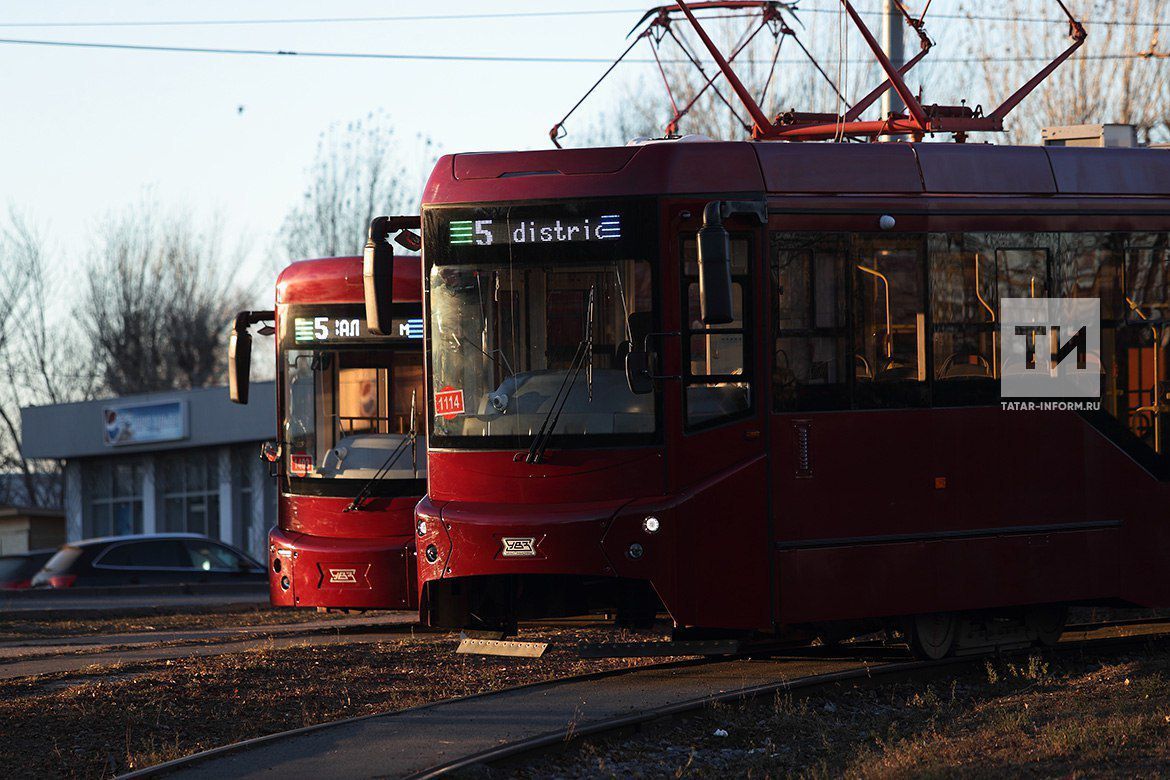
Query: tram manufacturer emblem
<point>519,547</point>
<point>343,576</point>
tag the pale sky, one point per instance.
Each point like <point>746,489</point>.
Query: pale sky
<point>84,131</point>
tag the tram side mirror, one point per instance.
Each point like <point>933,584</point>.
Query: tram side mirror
<point>378,277</point>
<point>715,271</point>
<point>638,372</point>
<point>239,360</point>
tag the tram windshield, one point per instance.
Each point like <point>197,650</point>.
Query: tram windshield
<point>350,402</point>
<point>529,328</point>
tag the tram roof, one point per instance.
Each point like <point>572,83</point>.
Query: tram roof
<point>703,167</point>
<point>339,280</point>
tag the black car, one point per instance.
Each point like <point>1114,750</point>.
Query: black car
<point>155,559</point>
<point>17,570</point>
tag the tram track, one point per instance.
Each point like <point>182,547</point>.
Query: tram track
<point>876,675</point>
<point>506,726</point>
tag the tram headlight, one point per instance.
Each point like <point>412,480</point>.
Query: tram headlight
<point>422,527</point>
<point>635,551</point>
<point>432,553</point>
<point>651,525</point>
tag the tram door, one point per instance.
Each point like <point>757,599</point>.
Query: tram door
<point>717,438</point>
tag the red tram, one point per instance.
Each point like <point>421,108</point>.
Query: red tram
<point>351,460</point>
<point>823,444</point>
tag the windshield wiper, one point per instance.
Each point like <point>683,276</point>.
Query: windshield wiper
<point>411,440</point>
<point>582,357</point>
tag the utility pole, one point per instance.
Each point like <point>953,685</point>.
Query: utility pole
<point>892,27</point>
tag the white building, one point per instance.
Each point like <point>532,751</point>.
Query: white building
<point>177,461</point>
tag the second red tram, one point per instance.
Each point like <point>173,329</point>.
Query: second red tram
<point>351,454</point>
<point>823,443</point>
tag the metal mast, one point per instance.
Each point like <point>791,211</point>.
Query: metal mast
<point>892,26</point>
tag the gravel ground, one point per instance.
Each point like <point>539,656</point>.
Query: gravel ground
<point>110,720</point>
<point>1095,715</point>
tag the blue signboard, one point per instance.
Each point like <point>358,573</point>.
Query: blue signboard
<point>144,423</point>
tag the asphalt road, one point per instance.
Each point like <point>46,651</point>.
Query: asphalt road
<point>29,657</point>
<point>61,603</point>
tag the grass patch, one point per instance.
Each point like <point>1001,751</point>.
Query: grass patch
<point>1037,715</point>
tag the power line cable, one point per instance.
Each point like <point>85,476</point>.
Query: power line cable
<point>521,15</point>
<point>480,57</point>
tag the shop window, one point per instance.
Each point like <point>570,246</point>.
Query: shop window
<point>190,493</point>
<point>113,497</point>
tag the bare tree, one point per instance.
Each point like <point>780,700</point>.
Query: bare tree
<point>41,360</point>
<point>362,169</point>
<point>1109,80</point>
<point>160,297</point>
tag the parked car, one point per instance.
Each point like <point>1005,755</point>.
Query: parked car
<point>154,559</point>
<point>17,570</point>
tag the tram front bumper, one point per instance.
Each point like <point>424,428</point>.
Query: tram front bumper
<point>314,571</point>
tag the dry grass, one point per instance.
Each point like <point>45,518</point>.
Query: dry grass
<point>122,718</point>
<point>1034,716</point>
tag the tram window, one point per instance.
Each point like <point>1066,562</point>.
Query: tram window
<point>718,385</point>
<point>890,360</point>
<point>1147,277</point>
<point>1022,273</point>
<point>964,327</point>
<point>1135,352</point>
<point>810,340</point>
<point>1089,265</point>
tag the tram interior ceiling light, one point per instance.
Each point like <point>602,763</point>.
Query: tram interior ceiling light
<point>651,525</point>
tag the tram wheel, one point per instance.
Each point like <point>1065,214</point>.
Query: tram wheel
<point>932,637</point>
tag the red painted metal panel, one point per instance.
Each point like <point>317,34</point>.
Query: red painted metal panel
<point>978,168</point>
<point>339,280</point>
<point>569,162</point>
<point>849,583</point>
<point>1110,171</point>
<point>839,168</point>
<point>565,538</point>
<point>564,476</point>
<point>326,516</point>
<point>349,573</point>
<point>653,169</point>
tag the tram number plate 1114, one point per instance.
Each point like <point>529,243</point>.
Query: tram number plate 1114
<point>449,403</point>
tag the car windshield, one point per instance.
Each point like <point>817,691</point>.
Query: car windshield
<point>525,333</point>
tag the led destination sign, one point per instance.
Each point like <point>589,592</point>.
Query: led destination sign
<point>324,328</point>
<point>561,230</point>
